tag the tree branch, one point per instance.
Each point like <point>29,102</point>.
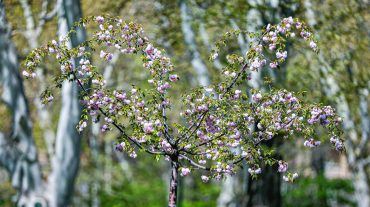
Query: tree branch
<point>120,129</point>
<point>195,164</point>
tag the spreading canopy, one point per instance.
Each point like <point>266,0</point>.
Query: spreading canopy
<point>220,126</point>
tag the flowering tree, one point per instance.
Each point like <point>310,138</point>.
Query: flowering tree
<point>214,134</point>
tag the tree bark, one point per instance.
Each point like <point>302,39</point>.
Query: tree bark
<point>190,41</point>
<point>18,153</point>
<point>172,198</point>
<point>205,38</point>
<point>228,194</point>
<point>32,34</point>
<point>360,183</point>
<point>265,191</point>
<point>65,162</point>
<point>356,157</point>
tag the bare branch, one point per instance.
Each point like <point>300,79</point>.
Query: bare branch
<point>195,164</point>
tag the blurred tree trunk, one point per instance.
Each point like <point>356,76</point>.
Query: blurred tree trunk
<point>232,187</point>
<point>266,190</point>
<point>361,183</point>
<point>358,157</point>
<point>190,41</point>
<point>31,34</point>
<point>18,152</point>
<point>245,191</point>
<point>65,162</point>
<point>205,38</point>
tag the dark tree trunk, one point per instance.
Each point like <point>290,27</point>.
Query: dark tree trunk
<point>172,198</point>
<point>265,191</point>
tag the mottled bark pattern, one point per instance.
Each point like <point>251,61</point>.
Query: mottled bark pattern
<point>65,162</point>
<point>190,41</point>
<point>172,199</point>
<point>18,153</point>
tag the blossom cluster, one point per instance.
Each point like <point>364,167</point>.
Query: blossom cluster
<point>269,49</point>
<point>225,133</point>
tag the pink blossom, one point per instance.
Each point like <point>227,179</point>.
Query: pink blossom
<point>339,146</point>
<point>50,98</point>
<point>295,175</point>
<point>298,25</point>
<point>166,146</point>
<point>51,50</point>
<point>104,128</point>
<point>256,97</point>
<point>174,78</point>
<point>283,167</point>
<point>281,55</point>
<point>25,74</point>
<point>133,154</point>
<point>205,179</point>
<point>311,143</point>
<point>100,19</point>
<point>120,146</point>
<point>102,54</point>
<point>313,45</point>
<point>148,127</point>
<point>272,47</point>
<point>82,126</point>
<point>109,57</point>
<point>185,171</point>
<point>254,171</point>
<point>214,56</point>
<point>273,65</point>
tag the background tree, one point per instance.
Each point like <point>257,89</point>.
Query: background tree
<point>57,190</point>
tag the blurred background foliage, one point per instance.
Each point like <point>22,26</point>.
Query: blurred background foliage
<point>108,178</point>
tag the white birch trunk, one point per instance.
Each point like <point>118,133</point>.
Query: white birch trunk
<point>190,41</point>
<point>205,38</point>
<point>355,146</point>
<point>31,34</point>
<point>232,185</point>
<point>65,162</point>
<point>355,154</point>
<point>18,152</point>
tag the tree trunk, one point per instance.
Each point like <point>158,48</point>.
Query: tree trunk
<point>65,162</point>
<point>355,155</point>
<point>232,187</point>
<point>228,194</point>
<point>205,38</point>
<point>32,34</point>
<point>265,191</point>
<point>358,168</point>
<point>172,198</point>
<point>18,153</point>
<point>360,183</point>
<point>190,41</point>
